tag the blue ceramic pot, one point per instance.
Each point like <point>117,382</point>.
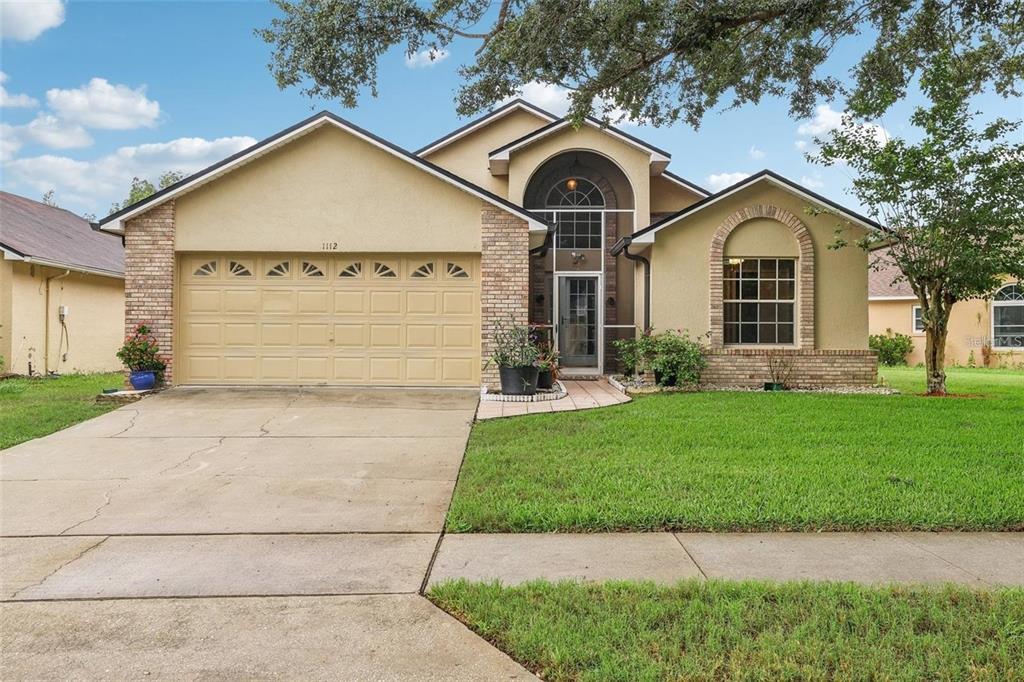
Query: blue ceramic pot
<point>142,380</point>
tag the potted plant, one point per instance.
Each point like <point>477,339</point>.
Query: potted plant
<point>780,368</point>
<point>515,353</point>
<point>139,355</point>
<point>547,366</point>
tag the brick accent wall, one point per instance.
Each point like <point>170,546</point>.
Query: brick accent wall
<point>805,279</point>
<point>149,278</point>
<point>504,278</point>
<point>749,367</point>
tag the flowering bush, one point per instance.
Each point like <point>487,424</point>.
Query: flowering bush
<point>139,352</point>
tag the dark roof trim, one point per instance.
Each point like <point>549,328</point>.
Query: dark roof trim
<point>479,121</point>
<point>597,123</point>
<point>309,122</point>
<point>761,175</point>
<point>686,183</point>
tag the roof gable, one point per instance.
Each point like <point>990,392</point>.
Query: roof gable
<point>34,232</point>
<point>484,121</point>
<point>647,235</point>
<point>115,221</point>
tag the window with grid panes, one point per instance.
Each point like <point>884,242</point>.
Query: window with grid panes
<point>759,295</point>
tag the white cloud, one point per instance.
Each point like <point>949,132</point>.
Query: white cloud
<point>756,154</point>
<point>426,58</point>
<point>99,104</point>
<point>719,181</point>
<point>48,130</point>
<point>107,179</point>
<point>811,183</point>
<point>27,20</point>
<point>9,100</point>
<point>555,99</point>
<point>826,119</point>
<point>801,145</point>
<point>10,141</point>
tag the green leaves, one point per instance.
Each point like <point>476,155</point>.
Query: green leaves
<point>659,61</point>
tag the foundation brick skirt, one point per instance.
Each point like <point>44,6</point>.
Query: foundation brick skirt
<point>749,367</point>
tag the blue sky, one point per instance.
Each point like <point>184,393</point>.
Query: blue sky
<point>95,93</point>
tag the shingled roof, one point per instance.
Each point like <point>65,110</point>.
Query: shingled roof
<point>31,230</point>
<point>881,278</point>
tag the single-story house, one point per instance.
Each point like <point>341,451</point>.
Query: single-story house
<point>978,329</point>
<point>61,291</point>
<point>326,254</point>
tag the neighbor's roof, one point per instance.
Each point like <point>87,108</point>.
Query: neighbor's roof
<point>646,235</point>
<point>115,221</point>
<point>485,120</point>
<point>881,277</point>
<point>34,232</point>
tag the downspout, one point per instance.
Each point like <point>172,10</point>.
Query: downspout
<point>622,246</point>
<point>46,322</point>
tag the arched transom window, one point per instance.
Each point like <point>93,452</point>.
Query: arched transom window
<point>1008,317</point>
<point>578,228</point>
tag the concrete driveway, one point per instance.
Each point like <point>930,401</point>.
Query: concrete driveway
<point>306,519</point>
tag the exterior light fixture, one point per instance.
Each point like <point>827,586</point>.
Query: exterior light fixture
<point>735,261</point>
<point>571,184</point>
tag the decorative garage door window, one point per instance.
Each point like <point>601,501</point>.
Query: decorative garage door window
<point>280,269</point>
<point>353,269</point>
<point>424,271</point>
<point>207,269</point>
<point>456,271</point>
<point>239,269</point>
<point>313,269</point>
<point>759,298</point>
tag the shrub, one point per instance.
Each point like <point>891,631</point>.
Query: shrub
<point>139,352</point>
<point>892,348</point>
<point>636,353</point>
<point>677,358</point>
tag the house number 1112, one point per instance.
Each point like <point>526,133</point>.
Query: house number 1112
<point>330,246</point>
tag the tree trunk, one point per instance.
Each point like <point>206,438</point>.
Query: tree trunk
<point>936,327</point>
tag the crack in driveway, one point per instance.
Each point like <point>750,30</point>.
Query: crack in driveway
<point>49,575</point>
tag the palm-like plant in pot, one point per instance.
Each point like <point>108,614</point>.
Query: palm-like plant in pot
<point>515,354</point>
<point>139,355</point>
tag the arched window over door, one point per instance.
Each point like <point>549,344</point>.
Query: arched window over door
<point>577,228</point>
<point>1008,317</point>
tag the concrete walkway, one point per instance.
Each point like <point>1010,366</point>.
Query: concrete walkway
<point>582,395</point>
<point>975,559</point>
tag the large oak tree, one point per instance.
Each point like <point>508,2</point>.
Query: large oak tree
<point>659,61</point>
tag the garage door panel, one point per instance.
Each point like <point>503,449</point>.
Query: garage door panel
<point>277,301</point>
<point>360,319</point>
<point>241,334</point>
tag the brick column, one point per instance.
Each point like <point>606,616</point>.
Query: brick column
<point>149,278</point>
<point>504,278</point>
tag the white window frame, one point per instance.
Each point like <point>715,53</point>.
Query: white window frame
<point>992,320</point>
<point>913,321</point>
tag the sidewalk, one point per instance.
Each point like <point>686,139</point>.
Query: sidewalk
<point>974,559</point>
<point>581,395</point>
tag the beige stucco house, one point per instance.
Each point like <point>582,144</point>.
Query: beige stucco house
<point>326,254</point>
<point>61,291</point>
<point>985,333</point>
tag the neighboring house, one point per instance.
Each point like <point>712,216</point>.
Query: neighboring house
<point>977,328</point>
<point>325,254</point>
<point>61,291</point>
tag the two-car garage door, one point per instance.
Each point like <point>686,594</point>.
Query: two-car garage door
<point>365,319</point>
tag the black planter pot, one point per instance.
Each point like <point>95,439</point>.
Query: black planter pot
<point>545,379</point>
<point>664,379</point>
<point>774,386</point>
<point>518,380</point>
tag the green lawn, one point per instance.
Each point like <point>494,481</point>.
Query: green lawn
<point>30,408</point>
<point>747,631</point>
<point>758,461</point>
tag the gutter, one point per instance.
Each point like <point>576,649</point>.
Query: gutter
<point>11,254</point>
<point>542,250</point>
<point>622,246</point>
